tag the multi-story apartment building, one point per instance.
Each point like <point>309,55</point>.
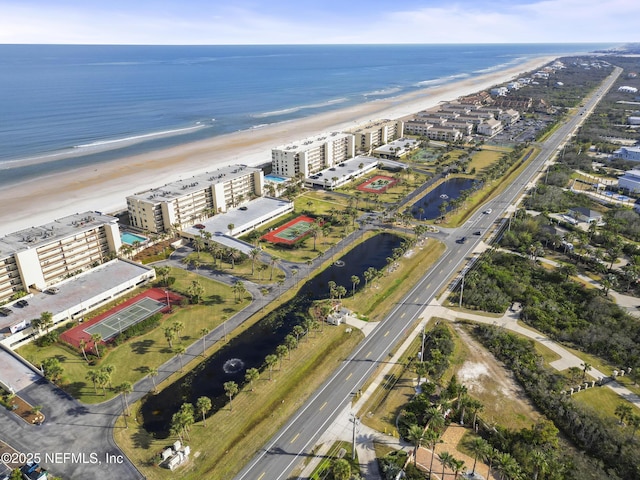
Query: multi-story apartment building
<point>312,155</point>
<point>374,134</point>
<point>38,257</point>
<point>185,202</point>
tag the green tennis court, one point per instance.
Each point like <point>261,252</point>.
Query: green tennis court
<point>112,325</point>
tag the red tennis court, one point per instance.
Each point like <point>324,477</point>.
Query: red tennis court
<point>132,311</point>
<point>377,184</point>
<point>291,232</point>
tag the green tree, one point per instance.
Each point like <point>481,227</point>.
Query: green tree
<point>83,346</point>
<point>281,352</point>
<point>355,280</point>
<point>203,404</point>
<point>586,367</point>
<point>251,375</point>
<point>179,351</point>
<point>153,373</point>
<point>92,376</point>
<point>96,338</point>
<point>341,469</point>
<point>46,321</point>
<point>231,389</point>
<point>52,369</point>
<point>416,436</point>
<point>270,361</point>
<point>203,333</point>
<point>446,460</point>
<point>170,335</point>
<point>125,388</point>
<point>622,411</point>
<point>478,447</point>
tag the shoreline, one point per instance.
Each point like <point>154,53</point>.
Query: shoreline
<point>105,186</point>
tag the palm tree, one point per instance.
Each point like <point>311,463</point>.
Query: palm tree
<point>291,342</point>
<point>204,332</point>
<point>96,338</point>
<point>125,388</point>
<point>46,320</point>
<point>507,466</point>
<point>478,447</point>
<point>231,389</point>
<point>489,455</point>
<point>416,436</point>
<point>355,280</point>
<point>540,461</point>
<point>274,262</point>
<point>457,466</point>
<point>341,469</point>
<point>251,375</point>
<point>179,351</point>
<point>281,351</point>
<point>92,375</point>
<point>446,460</point>
<point>270,361</point>
<point>170,335</point>
<point>585,368</point>
<point>153,373</point>
<point>431,438</point>
<point>254,254</point>
<point>108,370</point>
<point>83,345</point>
<point>298,330</point>
<point>623,410</point>
<point>203,404</point>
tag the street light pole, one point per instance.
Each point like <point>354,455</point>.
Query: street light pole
<point>461,289</point>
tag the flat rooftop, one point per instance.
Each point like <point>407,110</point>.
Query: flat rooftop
<point>312,142</point>
<point>345,168</point>
<point>371,126</point>
<point>179,188</point>
<point>74,291</point>
<point>50,232</point>
<point>398,146</point>
<point>248,213</point>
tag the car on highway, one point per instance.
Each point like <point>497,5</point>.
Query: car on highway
<point>461,240</point>
<point>487,211</point>
<point>477,232</point>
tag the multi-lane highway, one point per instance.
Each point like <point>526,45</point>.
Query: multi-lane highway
<point>295,440</point>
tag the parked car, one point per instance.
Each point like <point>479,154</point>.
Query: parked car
<point>52,290</point>
<point>22,303</point>
<point>5,311</point>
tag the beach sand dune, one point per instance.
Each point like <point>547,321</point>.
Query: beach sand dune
<point>104,187</point>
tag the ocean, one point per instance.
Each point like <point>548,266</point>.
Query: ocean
<point>64,106</point>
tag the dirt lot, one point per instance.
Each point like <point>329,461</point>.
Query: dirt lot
<point>490,382</point>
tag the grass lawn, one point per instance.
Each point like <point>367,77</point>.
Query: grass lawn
<point>133,358</point>
<point>484,158</point>
<point>261,271</point>
<point>602,400</point>
<point>378,298</point>
<point>231,437</point>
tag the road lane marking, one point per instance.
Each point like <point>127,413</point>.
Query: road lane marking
<point>262,475</point>
<point>368,354</point>
<point>386,333</point>
<point>402,316</point>
<point>348,376</point>
<point>323,405</point>
<point>295,438</point>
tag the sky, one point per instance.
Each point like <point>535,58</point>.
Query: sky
<point>213,22</point>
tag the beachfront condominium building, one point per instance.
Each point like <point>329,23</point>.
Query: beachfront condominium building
<point>182,203</point>
<point>38,257</point>
<point>306,157</point>
<point>375,134</point>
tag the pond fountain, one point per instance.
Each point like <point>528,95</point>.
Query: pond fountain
<point>428,207</point>
<point>249,349</point>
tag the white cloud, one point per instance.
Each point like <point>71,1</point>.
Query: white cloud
<point>540,21</point>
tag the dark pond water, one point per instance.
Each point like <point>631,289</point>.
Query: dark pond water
<point>249,349</point>
<point>445,192</point>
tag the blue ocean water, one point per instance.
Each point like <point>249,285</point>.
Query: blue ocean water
<point>63,106</point>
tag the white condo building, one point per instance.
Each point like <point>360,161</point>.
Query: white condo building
<point>312,155</point>
<point>374,134</point>
<point>38,257</point>
<point>186,202</point>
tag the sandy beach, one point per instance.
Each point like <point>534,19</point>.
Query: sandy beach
<point>105,187</point>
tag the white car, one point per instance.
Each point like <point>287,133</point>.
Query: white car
<point>487,211</point>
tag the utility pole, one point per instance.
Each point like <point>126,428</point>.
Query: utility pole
<point>461,289</point>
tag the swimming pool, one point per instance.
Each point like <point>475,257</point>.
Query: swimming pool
<point>131,238</point>
<point>275,178</point>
